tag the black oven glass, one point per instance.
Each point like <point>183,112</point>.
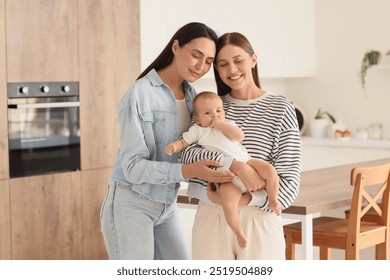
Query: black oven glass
<point>44,128</point>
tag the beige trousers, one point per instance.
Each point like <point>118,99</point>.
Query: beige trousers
<point>213,239</point>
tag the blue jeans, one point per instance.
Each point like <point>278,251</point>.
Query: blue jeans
<point>137,228</point>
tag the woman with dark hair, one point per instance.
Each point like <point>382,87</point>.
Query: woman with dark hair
<point>271,134</point>
<point>138,217</point>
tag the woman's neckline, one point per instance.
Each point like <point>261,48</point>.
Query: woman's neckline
<point>247,101</point>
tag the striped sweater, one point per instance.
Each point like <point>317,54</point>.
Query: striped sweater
<point>271,134</point>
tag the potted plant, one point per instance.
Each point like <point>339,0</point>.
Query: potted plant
<point>321,115</point>
<point>370,58</point>
<point>319,125</point>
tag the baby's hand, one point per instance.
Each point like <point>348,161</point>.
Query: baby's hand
<point>170,149</point>
<point>217,123</point>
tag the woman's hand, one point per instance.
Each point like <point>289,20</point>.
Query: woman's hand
<point>250,178</point>
<point>201,170</point>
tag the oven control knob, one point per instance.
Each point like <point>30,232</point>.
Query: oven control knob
<point>23,90</point>
<point>45,89</point>
<point>66,88</point>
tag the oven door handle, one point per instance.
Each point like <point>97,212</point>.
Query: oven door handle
<point>45,105</point>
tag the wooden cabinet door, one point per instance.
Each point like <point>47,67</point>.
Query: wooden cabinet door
<point>109,63</point>
<point>42,40</point>
<point>5,224</point>
<point>95,184</point>
<point>3,99</point>
<point>46,217</point>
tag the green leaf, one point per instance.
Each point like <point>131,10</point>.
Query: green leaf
<point>321,114</point>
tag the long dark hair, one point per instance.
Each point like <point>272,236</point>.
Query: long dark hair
<point>184,35</point>
<point>239,40</point>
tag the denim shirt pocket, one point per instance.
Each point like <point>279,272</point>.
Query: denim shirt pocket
<point>155,127</point>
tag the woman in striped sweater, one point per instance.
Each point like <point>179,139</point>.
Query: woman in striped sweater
<point>271,134</point>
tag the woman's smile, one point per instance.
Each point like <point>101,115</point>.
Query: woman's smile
<point>235,77</point>
<point>195,74</point>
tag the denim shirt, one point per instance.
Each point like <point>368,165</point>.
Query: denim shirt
<point>149,121</point>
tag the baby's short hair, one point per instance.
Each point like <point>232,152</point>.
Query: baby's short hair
<point>203,94</point>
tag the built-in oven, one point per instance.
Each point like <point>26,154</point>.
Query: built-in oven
<point>43,128</point>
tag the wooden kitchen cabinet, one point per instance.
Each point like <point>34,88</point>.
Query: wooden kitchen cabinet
<point>95,42</point>
<point>95,184</point>
<point>46,217</point>
<point>5,223</point>
<point>3,99</point>
<point>42,40</point>
<point>109,63</point>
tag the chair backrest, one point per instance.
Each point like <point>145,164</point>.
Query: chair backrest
<point>377,180</point>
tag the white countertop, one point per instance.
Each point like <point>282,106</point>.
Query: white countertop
<point>346,142</point>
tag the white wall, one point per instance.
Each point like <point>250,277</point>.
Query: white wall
<point>282,31</point>
<point>345,31</point>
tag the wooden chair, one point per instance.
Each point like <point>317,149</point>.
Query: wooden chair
<point>371,215</point>
<point>371,184</point>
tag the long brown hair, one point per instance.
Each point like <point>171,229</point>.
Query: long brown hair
<point>239,40</point>
<point>184,35</point>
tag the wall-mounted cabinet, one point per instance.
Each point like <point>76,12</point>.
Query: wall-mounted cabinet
<point>42,40</point>
<point>282,32</point>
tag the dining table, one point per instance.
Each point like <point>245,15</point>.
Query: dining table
<point>321,190</point>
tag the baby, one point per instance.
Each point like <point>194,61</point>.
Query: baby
<point>214,133</point>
